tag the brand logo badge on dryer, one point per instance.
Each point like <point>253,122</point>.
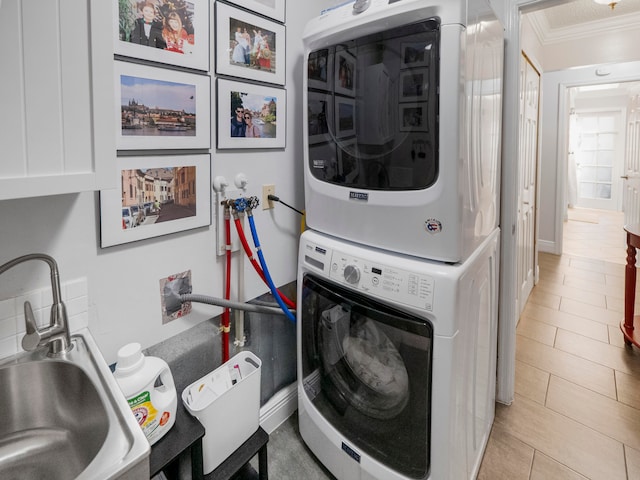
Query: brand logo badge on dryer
<point>359,196</point>
<point>433,225</point>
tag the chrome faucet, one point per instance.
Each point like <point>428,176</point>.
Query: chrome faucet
<point>56,335</point>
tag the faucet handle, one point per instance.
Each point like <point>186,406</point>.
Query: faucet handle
<point>32,339</point>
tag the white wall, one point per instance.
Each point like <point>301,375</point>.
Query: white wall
<point>553,164</point>
<point>123,281</point>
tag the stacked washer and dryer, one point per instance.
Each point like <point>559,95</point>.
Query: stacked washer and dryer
<point>398,272</point>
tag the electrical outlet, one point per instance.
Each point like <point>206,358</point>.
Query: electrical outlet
<point>266,191</point>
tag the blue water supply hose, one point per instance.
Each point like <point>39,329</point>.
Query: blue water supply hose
<point>267,275</point>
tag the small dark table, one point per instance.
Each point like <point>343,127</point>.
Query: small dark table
<point>627,324</point>
<point>185,436</point>
<point>238,461</point>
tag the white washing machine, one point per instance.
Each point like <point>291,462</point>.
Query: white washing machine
<point>396,360</point>
<point>403,109</point>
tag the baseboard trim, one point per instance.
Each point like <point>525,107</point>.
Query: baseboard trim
<point>280,407</point>
<point>547,247</point>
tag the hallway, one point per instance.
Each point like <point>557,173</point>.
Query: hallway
<point>576,413</point>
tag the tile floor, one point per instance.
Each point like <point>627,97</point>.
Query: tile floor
<point>576,413</point>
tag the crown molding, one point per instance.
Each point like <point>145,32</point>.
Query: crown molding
<point>548,35</point>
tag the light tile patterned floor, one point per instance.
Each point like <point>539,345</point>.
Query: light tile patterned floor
<point>576,413</point>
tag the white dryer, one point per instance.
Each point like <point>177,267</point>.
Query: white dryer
<point>402,125</point>
<point>396,360</point>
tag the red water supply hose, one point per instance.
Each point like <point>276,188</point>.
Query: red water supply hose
<point>254,262</point>
<point>227,293</point>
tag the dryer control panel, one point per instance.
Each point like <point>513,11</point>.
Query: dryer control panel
<point>382,280</point>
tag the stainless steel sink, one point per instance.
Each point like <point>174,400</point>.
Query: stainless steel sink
<point>64,417</point>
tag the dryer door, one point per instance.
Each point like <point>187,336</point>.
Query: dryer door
<point>367,369</point>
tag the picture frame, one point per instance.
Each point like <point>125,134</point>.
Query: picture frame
<point>413,117</point>
<point>269,8</point>
<point>345,73</point>
<point>186,46</point>
<point>171,193</point>
<point>345,116</point>
<point>249,46</point>
<point>267,107</point>
<point>320,119</point>
<point>413,54</point>
<point>158,108</point>
<point>348,165</point>
<point>320,69</point>
<point>414,85</point>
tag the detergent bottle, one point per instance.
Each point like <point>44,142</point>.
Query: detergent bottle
<point>147,384</point>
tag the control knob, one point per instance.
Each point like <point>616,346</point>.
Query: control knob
<point>351,274</point>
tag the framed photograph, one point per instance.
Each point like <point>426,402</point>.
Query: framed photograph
<point>348,167</point>
<point>414,84</point>
<point>158,195</point>
<point>319,117</point>
<point>175,32</point>
<point>251,116</point>
<point>413,117</point>
<point>157,108</point>
<point>249,46</point>
<point>345,114</point>
<point>345,73</point>
<point>320,69</point>
<point>269,8</point>
<point>414,54</point>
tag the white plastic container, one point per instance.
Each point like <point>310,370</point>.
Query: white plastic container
<point>227,403</point>
<point>147,384</point>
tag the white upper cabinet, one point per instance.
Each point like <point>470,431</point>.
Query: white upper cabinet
<point>56,97</point>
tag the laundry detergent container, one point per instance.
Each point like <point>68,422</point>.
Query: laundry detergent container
<point>227,403</point>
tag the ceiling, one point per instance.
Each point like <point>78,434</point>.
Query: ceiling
<point>582,18</point>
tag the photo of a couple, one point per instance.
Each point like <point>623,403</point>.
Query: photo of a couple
<point>253,116</point>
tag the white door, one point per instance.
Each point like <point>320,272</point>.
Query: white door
<point>528,161</point>
<point>598,154</point>
<point>631,175</point>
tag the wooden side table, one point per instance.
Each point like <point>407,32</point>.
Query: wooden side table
<point>633,242</point>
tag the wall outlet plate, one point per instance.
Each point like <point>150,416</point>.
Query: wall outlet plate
<point>266,191</point>
<point>219,213</point>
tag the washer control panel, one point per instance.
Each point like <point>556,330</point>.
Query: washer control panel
<point>383,280</point>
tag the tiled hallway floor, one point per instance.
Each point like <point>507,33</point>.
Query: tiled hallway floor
<point>576,413</point>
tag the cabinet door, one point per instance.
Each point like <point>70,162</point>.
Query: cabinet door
<point>55,55</point>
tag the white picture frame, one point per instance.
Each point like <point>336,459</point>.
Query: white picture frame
<point>320,118</point>
<point>269,8</point>
<point>243,41</point>
<point>189,48</point>
<point>345,116</point>
<point>345,73</point>
<point>320,69</point>
<point>414,54</point>
<point>174,179</point>
<point>268,108</point>
<point>158,108</point>
<point>413,117</point>
<point>414,85</point>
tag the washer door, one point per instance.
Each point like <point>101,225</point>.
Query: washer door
<point>366,367</point>
<point>362,363</point>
